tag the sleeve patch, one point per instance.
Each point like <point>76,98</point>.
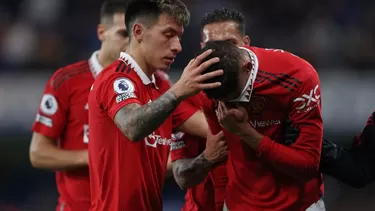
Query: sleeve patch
<point>125,96</point>
<point>308,101</point>
<point>48,104</point>
<point>123,85</point>
<point>44,120</point>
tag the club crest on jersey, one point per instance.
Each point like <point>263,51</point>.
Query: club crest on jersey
<point>257,104</point>
<point>48,104</point>
<point>123,85</point>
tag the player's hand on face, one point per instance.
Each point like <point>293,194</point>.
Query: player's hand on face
<point>236,120</point>
<point>233,119</point>
<point>216,147</point>
<point>192,79</point>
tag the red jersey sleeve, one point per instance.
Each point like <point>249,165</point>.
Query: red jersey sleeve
<point>178,146</point>
<point>116,92</point>
<point>186,146</point>
<point>182,113</point>
<point>302,158</point>
<point>52,113</point>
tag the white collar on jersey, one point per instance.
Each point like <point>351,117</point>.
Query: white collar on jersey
<point>95,65</point>
<point>248,90</point>
<point>128,60</point>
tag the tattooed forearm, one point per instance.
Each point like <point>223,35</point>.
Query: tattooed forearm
<point>191,172</point>
<point>137,122</point>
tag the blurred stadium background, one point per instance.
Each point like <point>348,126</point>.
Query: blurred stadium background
<point>38,36</point>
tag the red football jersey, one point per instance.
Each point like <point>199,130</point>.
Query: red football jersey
<point>276,177</point>
<point>63,115</point>
<point>209,195</point>
<point>127,175</point>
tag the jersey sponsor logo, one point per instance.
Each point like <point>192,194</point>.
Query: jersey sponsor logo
<point>177,136</point>
<point>48,104</point>
<point>44,120</point>
<point>153,140</point>
<point>177,142</point>
<point>264,123</point>
<point>308,101</point>
<point>175,145</point>
<point>123,85</point>
<point>124,96</point>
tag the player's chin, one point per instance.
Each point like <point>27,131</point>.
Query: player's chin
<point>165,65</point>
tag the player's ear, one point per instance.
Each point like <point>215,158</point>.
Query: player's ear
<point>100,31</point>
<point>247,66</point>
<point>138,31</point>
<point>246,40</point>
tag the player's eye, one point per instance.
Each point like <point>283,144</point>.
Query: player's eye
<point>169,35</point>
<point>123,33</point>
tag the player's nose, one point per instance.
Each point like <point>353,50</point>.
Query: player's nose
<point>176,46</point>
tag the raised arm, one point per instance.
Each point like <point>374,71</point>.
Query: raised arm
<point>137,121</point>
<point>189,172</point>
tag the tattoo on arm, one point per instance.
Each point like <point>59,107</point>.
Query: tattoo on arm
<point>191,171</point>
<point>137,122</point>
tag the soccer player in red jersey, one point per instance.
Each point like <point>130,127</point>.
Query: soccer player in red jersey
<point>63,114</point>
<point>260,88</point>
<point>133,112</point>
<point>199,166</point>
<point>354,166</point>
<point>205,195</point>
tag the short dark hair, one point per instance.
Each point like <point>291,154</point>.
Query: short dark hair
<point>150,10</point>
<point>223,15</point>
<point>230,62</point>
<point>110,7</point>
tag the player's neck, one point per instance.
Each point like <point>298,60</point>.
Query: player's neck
<point>136,54</point>
<point>104,59</point>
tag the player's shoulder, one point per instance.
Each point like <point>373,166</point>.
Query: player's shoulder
<point>119,73</point>
<point>278,61</point>
<point>65,74</point>
<point>280,57</point>
<point>118,68</point>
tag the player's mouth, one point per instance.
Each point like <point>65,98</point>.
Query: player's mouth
<point>170,60</point>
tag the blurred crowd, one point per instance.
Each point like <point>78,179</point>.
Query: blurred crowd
<point>46,34</point>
